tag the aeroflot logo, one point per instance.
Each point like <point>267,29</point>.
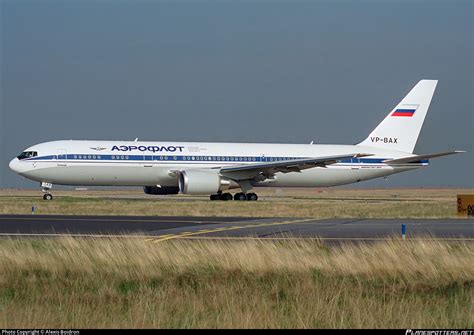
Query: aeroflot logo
<point>153,148</point>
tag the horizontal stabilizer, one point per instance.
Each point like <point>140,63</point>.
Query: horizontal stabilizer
<point>414,159</point>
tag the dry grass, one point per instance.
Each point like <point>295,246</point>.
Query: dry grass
<point>314,203</point>
<point>182,284</point>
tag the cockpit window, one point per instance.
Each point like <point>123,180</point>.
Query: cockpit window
<point>27,154</point>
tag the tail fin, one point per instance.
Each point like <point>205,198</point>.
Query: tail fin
<point>400,129</point>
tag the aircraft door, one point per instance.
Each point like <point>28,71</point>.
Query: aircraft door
<point>148,161</point>
<point>61,156</point>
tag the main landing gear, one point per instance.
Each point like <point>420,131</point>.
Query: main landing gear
<point>238,196</point>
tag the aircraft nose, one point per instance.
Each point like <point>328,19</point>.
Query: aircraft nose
<point>13,165</point>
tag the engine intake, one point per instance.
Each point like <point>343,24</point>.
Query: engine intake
<point>203,182</point>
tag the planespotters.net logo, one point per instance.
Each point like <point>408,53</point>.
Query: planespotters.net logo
<point>439,332</point>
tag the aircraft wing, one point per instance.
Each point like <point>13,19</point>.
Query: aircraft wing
<point>268,169</point>
<point>417,158</point>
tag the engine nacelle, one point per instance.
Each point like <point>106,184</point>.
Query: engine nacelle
<point>203,182</point>
<point>161,190</point>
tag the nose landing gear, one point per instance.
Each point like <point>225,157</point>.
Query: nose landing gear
<point>48,196</point>
<point>45,188</point>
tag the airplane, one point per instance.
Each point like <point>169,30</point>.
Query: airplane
<point>215,168</point>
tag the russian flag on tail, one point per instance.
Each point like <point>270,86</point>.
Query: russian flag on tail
<point>404,112</point>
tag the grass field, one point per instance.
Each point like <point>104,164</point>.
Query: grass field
<point>293,202</point>
<point>135,283</point>
<point>182,284</point>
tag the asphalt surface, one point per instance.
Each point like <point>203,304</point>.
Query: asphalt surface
<point>166,228</point>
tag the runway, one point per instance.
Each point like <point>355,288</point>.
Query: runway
<point>167,228</point>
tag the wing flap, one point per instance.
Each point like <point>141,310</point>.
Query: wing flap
<point>267,169</point>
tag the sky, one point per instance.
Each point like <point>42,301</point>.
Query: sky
<point>238,71</point>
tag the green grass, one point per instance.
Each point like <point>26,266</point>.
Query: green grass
<point>314,208</point>
<point>69,283</point>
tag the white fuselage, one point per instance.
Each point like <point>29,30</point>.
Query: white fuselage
<point>121,163</point>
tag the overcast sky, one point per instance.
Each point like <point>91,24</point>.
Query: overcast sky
<point>243,71</point>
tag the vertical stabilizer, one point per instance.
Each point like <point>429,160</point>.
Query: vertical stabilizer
<point>400,129</point>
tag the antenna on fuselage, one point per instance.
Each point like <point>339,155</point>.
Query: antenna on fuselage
<point>136,140</point>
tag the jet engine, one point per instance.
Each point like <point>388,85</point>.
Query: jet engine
<point>161,190</point>
<point>203,182</point>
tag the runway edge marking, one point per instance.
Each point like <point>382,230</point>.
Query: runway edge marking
<point>32,218</point>
<point>73,235</point>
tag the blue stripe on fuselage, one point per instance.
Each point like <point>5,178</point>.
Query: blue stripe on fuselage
<point>196,158</point>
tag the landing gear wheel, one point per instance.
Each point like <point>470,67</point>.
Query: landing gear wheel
<point>240,197</point>
<point>215,197</point>
<point>48,196</point>
<point>226,196</point>
<point>252,197</point>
